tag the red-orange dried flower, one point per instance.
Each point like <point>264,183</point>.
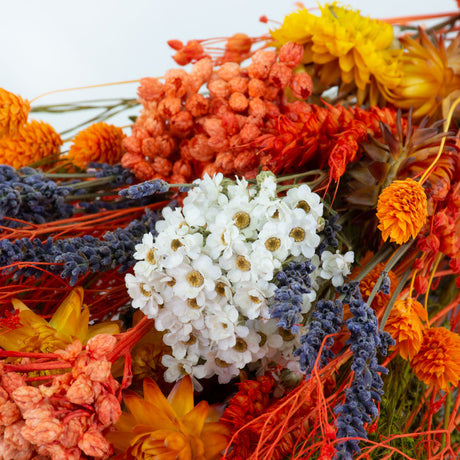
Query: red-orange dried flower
<point>150,89</point>
<point>402,210</point>
<point>13,113</point>
<point>100,143</point>
<point>437,363</point>
<point>35,141</point>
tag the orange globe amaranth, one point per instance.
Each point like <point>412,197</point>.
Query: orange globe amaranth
<point>438,361</point>
<point>100,143</point>
<point>401,210</point>
<point>35,141</point>
<point>13,113</point>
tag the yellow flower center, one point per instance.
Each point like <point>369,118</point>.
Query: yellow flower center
<point>302,204</point>
<point>241,346</point>
<point>273,243</point>
<point>254,299</point>
<point>144,291</point>
<point>263,339</point>
<point>220,288</point>
<point>150,258</point>
<point>175,244</point>
<point>221,362</point>
<point>193,304</point>
<point>286,334</point>
<point>243,264</point>
<point>242,220</point>
<point>195,278</point>
<point>298,234</point>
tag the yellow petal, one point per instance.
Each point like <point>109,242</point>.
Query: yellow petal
<point>147,413</point>
<point>154,396</point>
<point>195,419</point>
<point>181,397</point>
<point>108,327</point>
<point>68,317</point>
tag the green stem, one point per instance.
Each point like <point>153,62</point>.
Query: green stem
<point>393,298</point>
<point>92,183</point>
<point>391,263</point>
<point>445,422</point>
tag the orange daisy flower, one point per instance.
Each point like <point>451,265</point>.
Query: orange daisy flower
<point>438,361</point>
<point>35,141</point>
<point>100,142</point>
<point>160,427</point>
<point>13,113</point>
<point>402,210</point>
<point>405,325</point>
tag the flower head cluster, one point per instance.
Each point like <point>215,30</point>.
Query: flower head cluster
<point>173,427</point>
<point>208,276</point>
<point>437,360</point>
<point>345,47</point>
<point>100,142</point>
<point>366,388</point>
<point>13,113</point>
<point>72,258</point>
<point>402,210</point>
<point>29,196</point>
<point>35,140</point>
<point>67,417</point>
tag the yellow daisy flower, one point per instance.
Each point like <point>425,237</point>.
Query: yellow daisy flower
<point>69,322</point>
<point>345,48</point>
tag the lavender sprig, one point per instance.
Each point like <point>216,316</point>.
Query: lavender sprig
<point>293,281</point>
<point>75,257</point>
<point>366,389</point>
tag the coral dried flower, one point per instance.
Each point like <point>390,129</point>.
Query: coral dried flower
<point>100,142</point>
<point>13,113</point>
<point>401,210</point>
<point>168,428</point>
<point>405,325</point>
<point>36,140</point>
<point>438,361</point>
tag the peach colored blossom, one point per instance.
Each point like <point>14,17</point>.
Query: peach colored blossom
<point>101,345</point>
<point>71,352</point>
<point>11,381</point>
<point>27,397</point>
<point>72,432</point>
<point>218,88</point>
<point>108,409</point>
<point>238,102</point>
<point>176,82</point>
<point>94,444</point>
<point>169,106</point>
<point>150,89</point>
<point>197,105</point>
<point>291,54</point>
<point>280,75</point>
<point>44,433</point>
<point>228,70</point>
<point>238,84</point>
<point>81,391</point>
<point>9,413</point>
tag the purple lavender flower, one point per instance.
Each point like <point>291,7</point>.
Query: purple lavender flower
<point>293,281</point>
<point>366,389</point>
<point>147,188</point>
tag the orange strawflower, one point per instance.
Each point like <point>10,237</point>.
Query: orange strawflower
<point>36,140</point>
<point>13,113</point>
<point>405,325</point>
<point>168,428</point>
<point>402,210</point>
<point>438,361</point>
<point>100,142</point>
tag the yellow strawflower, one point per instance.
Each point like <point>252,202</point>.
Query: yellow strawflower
<point>345,48</point>
<point>69,322</point>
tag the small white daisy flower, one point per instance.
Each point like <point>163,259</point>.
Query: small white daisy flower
<point>144,294</point>
<point>302,233</point>
<point>250,301</point>
<point>178,368</point>
<point>303,198</point>
<point>336,266</point>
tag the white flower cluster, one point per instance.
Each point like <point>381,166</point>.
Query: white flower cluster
<point>208,276</point>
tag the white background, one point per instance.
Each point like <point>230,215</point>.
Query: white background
<point>54,44</point>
